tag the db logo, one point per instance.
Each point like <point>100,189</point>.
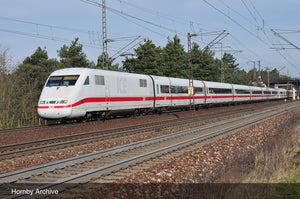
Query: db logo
<point>51,106</point>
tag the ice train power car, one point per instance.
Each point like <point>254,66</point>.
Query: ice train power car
<point>83,93</point>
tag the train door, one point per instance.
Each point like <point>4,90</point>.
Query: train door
<point>205,92</point>
<point>100,91</point>
<point>107,94</point>
<point>233,93</point>
<point>170,93</point>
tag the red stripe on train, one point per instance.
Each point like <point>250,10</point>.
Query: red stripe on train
<point>135,99</point>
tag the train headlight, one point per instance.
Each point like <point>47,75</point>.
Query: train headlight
<point>63,101</point>
<point>42,102</point>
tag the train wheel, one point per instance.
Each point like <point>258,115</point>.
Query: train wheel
<point>136,113</point>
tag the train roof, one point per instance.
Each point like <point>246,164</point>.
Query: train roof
<point>91,71</point>
<point>217,84</point>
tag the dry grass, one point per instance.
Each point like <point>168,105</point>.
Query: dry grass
<point>279,156</point>
<point>276,172</point>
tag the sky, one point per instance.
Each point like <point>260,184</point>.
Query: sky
<point>26,25</point>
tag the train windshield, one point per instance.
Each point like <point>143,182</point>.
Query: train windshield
<point>66,80</point>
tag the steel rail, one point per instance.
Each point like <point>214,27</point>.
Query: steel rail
<point>96,173</point>
<point>38,127</point>
<point>9,151</point>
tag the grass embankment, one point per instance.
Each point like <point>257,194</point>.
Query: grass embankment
<point>279,160</point>
<point>276,172</point>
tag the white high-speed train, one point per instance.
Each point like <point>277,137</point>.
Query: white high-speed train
<point>86,93</point>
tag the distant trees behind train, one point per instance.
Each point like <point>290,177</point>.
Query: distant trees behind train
<point>20,88</point>
<point>172,61</point>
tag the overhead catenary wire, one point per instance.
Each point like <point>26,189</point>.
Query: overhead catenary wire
<point>134,17</point>
<point>238,13</point>
<point>252,15</point>
<point>236,22</point>
<point>171,18</point>
<point>57,39</point>
<point>113,57</point>
<point>89,32</point>
<point>153,12</point>
<point>172,25</point>
<point>46,37</point>
<point>247,30</point>
<point>46,25</point>
<point>145,27</point>
<point>128,17</point>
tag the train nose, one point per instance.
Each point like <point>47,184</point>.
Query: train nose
<point>54,109</point>
<point>53,113</point>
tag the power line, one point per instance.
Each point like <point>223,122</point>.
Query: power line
<point>113,57</point>
<point>236,22</point>
<point>131,21</point>
<point>45,25</point>
<point>170,18</point>
<point>133,17</point>
<point>284,39</point>
<point>286,31</point>
<point>252,15</point>
<point>128,17</point>
<point>58,39</point>
<point>46,37</point>
<point>256,10</point>
<point>154,12</point>
<point>230,8</point>
<point>244,46</point>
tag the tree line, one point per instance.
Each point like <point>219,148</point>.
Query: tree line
<point>20,89</point>
<point>172,61</point>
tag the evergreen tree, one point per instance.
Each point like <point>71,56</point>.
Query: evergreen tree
<point>73,56</point>
<point>205,67</point>
<point>240,77</point>
<point>37,57</point>
<point>101,64</point>
<point>229,67</point>
<point>232,73</point>
<point>148,60</point>
<point>174,59</point>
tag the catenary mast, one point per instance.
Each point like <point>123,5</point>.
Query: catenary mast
<point>104,36</point>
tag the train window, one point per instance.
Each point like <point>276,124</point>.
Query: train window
<point>164,88</point>
<point>179,89</point>
<point>67,80</point>
<point>87,81</point>
<point>239,91</point>
<point>256,92</point>
<point>99,80</point>
<point>143,83</point>
<point>157,88</point>
<point>173,89</point>
<point>220,91</point>
<point>182,89</point>
<point>198,90</point>
<point>267,92</point>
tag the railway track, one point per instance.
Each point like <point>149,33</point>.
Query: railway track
<point>56,126</point>
<point>33,147</point>
<point>83,168</point>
